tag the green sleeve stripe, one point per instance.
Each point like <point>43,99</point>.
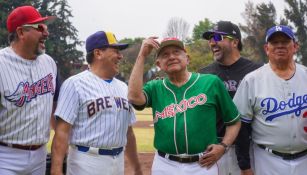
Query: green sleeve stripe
<point>233,120</point>
<point>146,97</point>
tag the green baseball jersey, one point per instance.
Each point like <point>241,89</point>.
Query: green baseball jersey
<point>185,117</point>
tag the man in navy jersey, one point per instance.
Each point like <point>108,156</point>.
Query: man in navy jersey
<point>225,44</point>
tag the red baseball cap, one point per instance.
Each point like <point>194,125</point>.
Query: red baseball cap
<point>25,15</point>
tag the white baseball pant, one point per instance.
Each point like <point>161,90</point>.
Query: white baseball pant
<point>269,164</point>
<point>163,166</point>
<point>228,163</point>
<point>22,162</point>
<point>81,163</point>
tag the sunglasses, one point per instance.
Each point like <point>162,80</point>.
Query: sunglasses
<point>38,27</point>
<point>219,37</point>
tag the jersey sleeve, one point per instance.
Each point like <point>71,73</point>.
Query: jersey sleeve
<point>132,116</point>
<point>148,92</point>
<point>131,109</point>
<point>67,106</point>
<point>226,106</point>
<point>58,84</point>
<point>243,100</point>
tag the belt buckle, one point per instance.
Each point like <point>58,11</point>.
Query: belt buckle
<point>114,153</point>
<point>185,158</point>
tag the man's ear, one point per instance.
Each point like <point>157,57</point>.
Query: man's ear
<point>19,32</point>
<point>265,47</point>
<point>97,54</point>
<point>158,63</point>
<point>236,41</point>
<point>189,58</point>
<point>296,46</point>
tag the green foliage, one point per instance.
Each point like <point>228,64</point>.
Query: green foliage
<point>62,42</point>
<point>297,14</point>
<point>130,55</point>
<point>200,55</point>
<point>258,20</point>
<point>63,38</point>
<point>6,6</point>
<point>200,28</point>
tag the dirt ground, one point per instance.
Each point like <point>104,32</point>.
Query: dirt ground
<point>145,158</point>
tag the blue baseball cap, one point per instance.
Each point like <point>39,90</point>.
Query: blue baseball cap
<point>282,29</point>
<point>103,39</point>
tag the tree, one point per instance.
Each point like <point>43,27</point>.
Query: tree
<point>130,55</point>
<point>297,13</point>
<point>200,55</point>
<point>258,20</point>
<point>62,41</point>
<point>200,28</point>
<point>6,7</point>
<point>177,27</point>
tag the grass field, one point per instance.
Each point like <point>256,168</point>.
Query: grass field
<point>145,115</point>
<point>144,136</point>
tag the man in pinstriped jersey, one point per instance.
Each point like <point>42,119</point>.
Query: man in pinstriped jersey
<point>27,90</point>
<point>94,116</point>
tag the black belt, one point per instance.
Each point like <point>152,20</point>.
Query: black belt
<point>23,147</point>
<point>285,156</point>
<point>106,152</point>
<point>181,159</point>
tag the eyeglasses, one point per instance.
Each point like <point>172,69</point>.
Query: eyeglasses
<point>38,27</point>
<point>219,37</point>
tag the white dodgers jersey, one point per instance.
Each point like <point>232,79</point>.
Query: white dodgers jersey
<point>277,108</point>
<point>98,111</point>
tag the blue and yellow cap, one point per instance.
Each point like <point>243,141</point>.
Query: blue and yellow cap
<point>103,39</point>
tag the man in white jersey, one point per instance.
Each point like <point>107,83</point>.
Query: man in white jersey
<point>27,90</point>
<point>94,116</point>
<point>273,101</point>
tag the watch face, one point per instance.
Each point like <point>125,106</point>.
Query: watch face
<point>224,145</point>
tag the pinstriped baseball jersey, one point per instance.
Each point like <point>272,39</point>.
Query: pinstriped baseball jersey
<point>276,108</point>
<point>185,117</point>
<point>99,111</point>
<point>27,88</point>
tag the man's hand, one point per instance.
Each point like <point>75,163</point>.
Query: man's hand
<point>247,172</point>
<point>213,153</point>
<point>147,46</point>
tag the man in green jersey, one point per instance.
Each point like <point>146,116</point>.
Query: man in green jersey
<point>184,108</point>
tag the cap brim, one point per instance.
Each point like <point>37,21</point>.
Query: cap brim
<point>46,20</point>
<point>119,46</point>
<point>207,35</point>
<point>273,33</point>
<point>170,43</point>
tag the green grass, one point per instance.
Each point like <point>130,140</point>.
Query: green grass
<point>144,136</point>
<point>50,141</point>
<point>144,139</point>
<point>145,115</point>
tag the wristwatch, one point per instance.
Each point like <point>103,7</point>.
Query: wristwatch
<point>224,145</point>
